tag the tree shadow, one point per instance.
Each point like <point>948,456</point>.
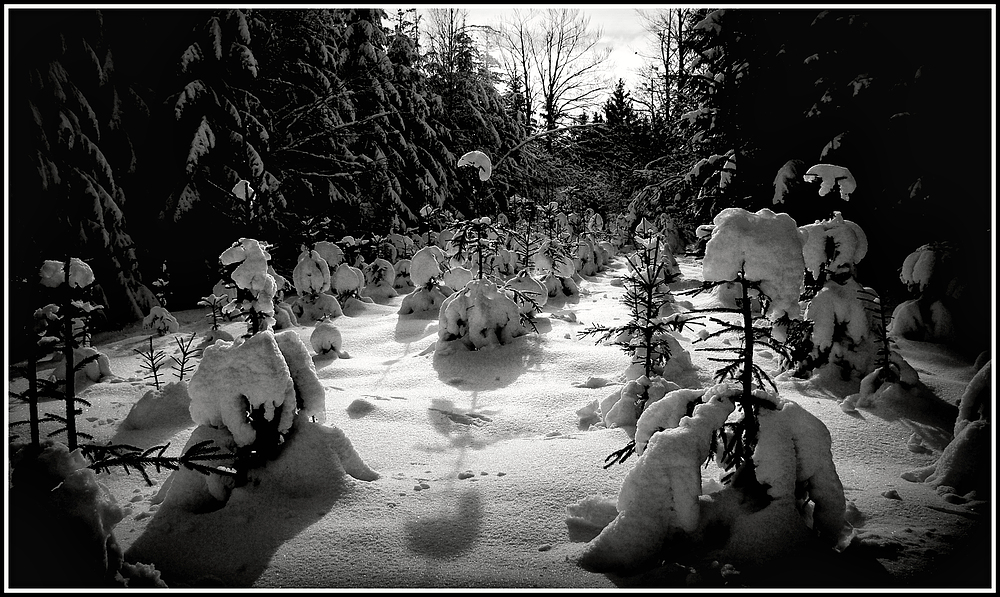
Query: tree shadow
<point>491,368</point>
<point>195,540</point>
<point>230,547</point>
<point>449,533</point>
<point>415,326</point>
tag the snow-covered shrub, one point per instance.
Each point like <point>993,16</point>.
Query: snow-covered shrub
<point>161,321</point>
<point>254,388</point>
<point>380,277</point>
<point>457,277</point>
<point>284,317</point>
<point>348,281</point>
<point>330,252</point>
<point>253,281</point>
<point>621,408</point>
<point>479,315</point>
<point>253,375</point>
<point>837,330</point>
<point>61,514</point>
<point>895,376</point>
<point>929,273</point>
<point>964,470</point>
<point>426,274</point>
<point>555,268</point>
<point>313,282</point>
<point>841,332</point>
<point>401,281</point>
<point>665,511</point>
<point>251,395</point>
<point>832,248</point>
<point>326,339</point>
<point>96,369</point>
<point>311,275</point>
<point>529,294</point>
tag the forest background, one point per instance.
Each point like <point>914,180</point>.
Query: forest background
<point>128,129</point>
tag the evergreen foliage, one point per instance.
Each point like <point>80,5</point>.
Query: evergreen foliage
<point>342,121</point>
<point>182,366</point>
<point>151,362</point>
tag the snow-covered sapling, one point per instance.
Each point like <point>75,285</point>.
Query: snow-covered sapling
<point>837,325</point>
<point>380,278</point>
<point>930,275</point>
<point>256,288</point>
<point>327,340</point>
<point>161,285</point>
<point>555,265</point>
<point>426,272</point>
<point>215,303</point>
<point>646,337</point>
<point>479,315</point>
<point>161,321</point>
<point>762,254</point>
<point>891,372</point>
<point>69,278</point>
<point>313,279</point>
<point>476,240</point>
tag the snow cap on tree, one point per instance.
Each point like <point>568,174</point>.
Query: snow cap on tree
<point>348,279</point>
<point>480,160</point>
<point>767,246</point>
<point>425,265</point>
<point>244,191</point>
<point>830,175</point>
<point>252,272</point>
<point>311,274</point>
<point>848,238</point>
<point>262,370</point>
<point>918,267</point>
<point>53,273</point>
<point>329,251</point>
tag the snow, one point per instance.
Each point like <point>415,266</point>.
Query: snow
<point>470,470</point>
<point>311,274</point>
<point>53,273</point>
<point>160,320</point>
<point>767,246</point>
<point>478,160</point>
<point>849,241</point>
<point>831,175</point>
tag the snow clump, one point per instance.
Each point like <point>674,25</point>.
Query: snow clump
<point>759,244</point>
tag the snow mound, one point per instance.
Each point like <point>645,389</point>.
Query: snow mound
<point>167,407</point>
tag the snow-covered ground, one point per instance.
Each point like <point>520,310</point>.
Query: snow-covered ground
<point>486,468</point>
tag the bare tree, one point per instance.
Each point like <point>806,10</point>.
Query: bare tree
<point>511,40</point>
<point>667,60</point>
<point>553,59</point>
<point>568,64</point>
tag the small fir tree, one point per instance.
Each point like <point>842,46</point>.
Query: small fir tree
<point>151,362</point>
<point>644,336</point>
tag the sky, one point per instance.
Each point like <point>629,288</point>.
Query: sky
<point>622,30</point>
